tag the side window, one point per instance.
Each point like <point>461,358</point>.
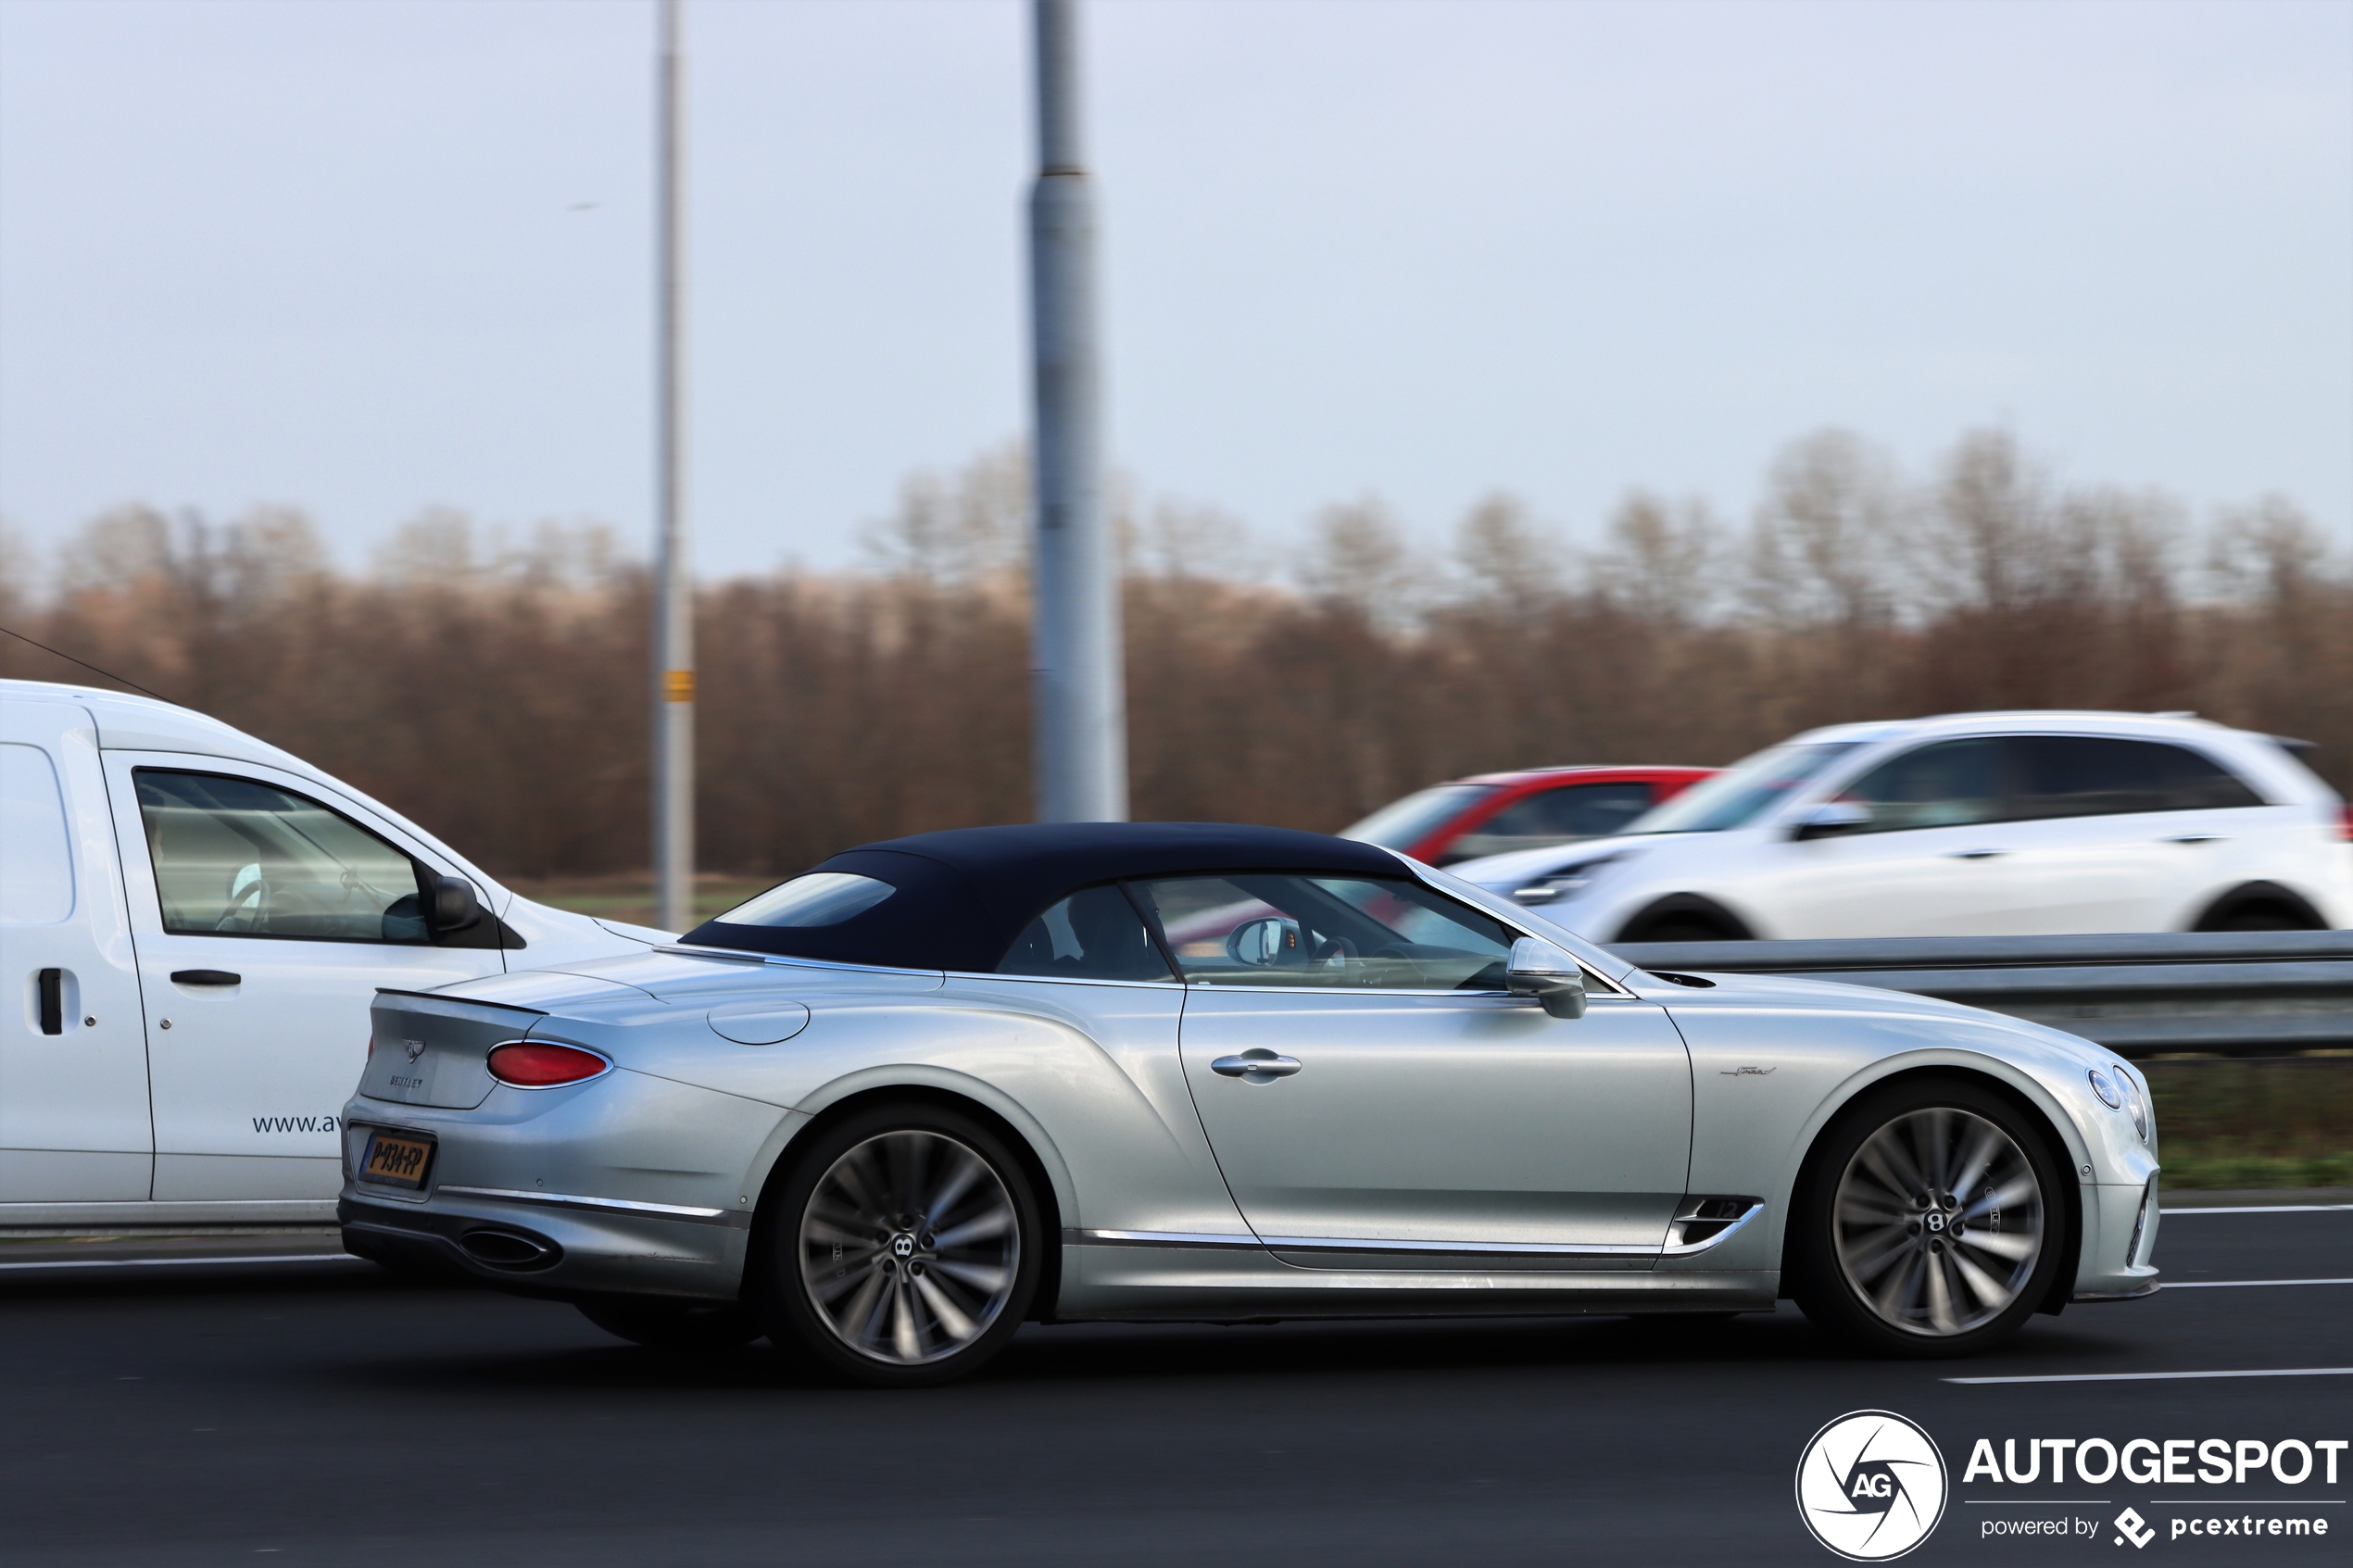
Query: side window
<point>2194,782</point>
<point>1555,816</point>
<point>1346,932</point>
<point>1951,783</point>
<point>2101,776</point>
<point>1093,935</point>
<point>234,856</point>
<point>38,888</point>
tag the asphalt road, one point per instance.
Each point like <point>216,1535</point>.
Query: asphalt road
<point>316,1413</point>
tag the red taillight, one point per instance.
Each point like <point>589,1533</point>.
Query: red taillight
<point>531,1064</point>
<point>371,1048</point>
<point>2345,824</point>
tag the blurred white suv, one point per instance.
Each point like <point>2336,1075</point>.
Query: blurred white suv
<point>1968,824</point>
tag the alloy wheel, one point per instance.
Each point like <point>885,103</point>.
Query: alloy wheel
<point>910,1246</point>
<point>1938,1222</point>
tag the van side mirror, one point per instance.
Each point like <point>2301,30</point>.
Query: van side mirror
<point>1541,970</point>
<point>452,907</point>
<point>1832,817</point>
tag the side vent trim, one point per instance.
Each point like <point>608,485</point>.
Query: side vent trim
<point>1704,1223</point>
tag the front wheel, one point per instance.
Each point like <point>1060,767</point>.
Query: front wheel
<point>903,1248</point>
<point>1931,1223</point>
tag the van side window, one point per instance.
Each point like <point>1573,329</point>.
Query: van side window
<point>38,889</point>
<point>234,856</point>
<point>2102,775</point>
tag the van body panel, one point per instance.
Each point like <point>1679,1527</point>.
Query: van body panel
<point>250,1078</point>
<point>74,1118</point>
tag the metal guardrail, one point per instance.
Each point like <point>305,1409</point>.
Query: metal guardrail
<point>2261,992</point>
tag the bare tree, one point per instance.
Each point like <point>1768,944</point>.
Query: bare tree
<point>469,677</point>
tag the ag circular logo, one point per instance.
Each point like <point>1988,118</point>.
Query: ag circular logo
<point>1871,1485</point>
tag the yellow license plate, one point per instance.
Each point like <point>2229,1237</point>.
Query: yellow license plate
<point>396,1160</point>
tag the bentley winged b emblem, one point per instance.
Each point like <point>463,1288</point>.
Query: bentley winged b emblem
<point>414,1047</point>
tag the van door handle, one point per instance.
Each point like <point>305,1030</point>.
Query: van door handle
<point>206,977</point>
<point>1974,854</point>
<point>2197,838</point>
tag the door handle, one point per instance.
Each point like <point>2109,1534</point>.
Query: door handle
<point>206,977</point>
<point>2197,838</point>
<point>1974,854</point>
<point>1258,1066</point>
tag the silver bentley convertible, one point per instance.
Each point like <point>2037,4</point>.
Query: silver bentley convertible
<point>891,1109</point>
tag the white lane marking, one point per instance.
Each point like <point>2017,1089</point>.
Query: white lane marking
<point>2162,1377</point>
<point>2267,1209</point>
<point>169,1262</point>
<point>2226,1283</point>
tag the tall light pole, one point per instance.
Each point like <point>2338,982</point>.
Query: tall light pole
<point>673,606</point>
<point>1077,665</point>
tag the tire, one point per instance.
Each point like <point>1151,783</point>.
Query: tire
<point>852,1272</point>
<point>1889,1256</point>
<point>701,1326</point>
<point>2263,918</point>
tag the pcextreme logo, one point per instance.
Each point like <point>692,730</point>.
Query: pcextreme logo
<point>1871,1485</point>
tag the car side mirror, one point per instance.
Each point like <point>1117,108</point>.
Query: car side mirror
<point>1832,817</point>
<point>1270,942</point>
<point>452,906</point>
<point>1541,970</point>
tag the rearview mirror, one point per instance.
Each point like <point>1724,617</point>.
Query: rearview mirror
<point>1539,968</point>
<point>1272,941</point>
<point>1832,817</point>
<point>452,906</point>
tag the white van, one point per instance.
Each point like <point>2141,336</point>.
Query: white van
<point>194,924</point>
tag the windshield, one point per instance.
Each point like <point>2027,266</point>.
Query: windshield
<point>1400,824</point>
<point>1743,791</point>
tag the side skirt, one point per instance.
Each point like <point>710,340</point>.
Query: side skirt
<point>1237,1279</point>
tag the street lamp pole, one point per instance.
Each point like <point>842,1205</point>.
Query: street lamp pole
<point>1078,667</point>
<point>674,601</point>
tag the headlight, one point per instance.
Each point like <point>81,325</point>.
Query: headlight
<point>2127,1098</point>
<point>2136,1103</point>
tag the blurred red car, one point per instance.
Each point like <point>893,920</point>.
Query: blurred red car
<point>1494,813</point>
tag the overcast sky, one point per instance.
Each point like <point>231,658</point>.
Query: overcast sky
<point>366,257</point>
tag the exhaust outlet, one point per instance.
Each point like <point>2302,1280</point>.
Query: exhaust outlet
<point>505,1250</point>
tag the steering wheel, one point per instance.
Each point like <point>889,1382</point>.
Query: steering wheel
<point>1402,953</point>
<point>255,893</point>
<point>1336,951</point>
